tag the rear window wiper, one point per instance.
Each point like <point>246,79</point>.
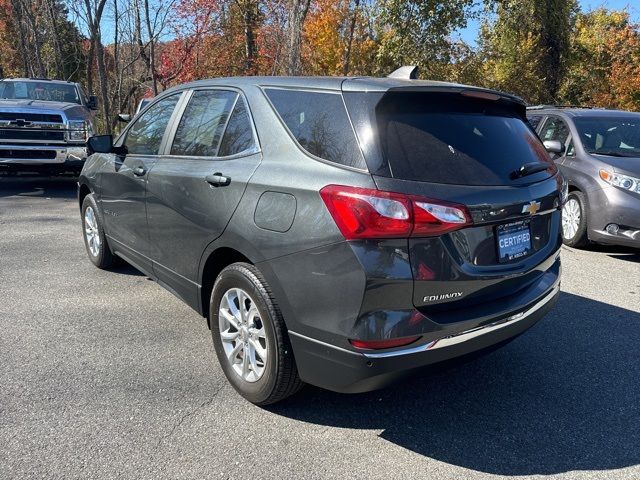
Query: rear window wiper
<point>528,169</point>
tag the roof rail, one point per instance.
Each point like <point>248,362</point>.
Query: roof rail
<point>408,72</point>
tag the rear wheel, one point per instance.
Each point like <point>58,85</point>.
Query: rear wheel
<point>250,337</point>
<point>574,221</point>
<point>94,239</point>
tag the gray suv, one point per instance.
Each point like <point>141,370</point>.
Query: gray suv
<point>44,125</point>
<point>342,232</point>
<point>598,152</point>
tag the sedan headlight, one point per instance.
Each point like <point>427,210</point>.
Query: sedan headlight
<point>79,131</point>
<point>621,181</point>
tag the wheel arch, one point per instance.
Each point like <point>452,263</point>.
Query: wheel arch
<point>214,263</point>
<point>83,191</point>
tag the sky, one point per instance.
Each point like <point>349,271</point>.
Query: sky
<point>470,34</point>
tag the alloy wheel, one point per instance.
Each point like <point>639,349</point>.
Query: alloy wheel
<point>571,217</point>
<point>91,231</point>
<point>243,335</point>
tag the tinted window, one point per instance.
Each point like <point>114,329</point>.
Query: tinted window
<point>534,120</point>
<point>145,135</point>
<point>238,137</point>
<point>555,129</point>
<point>202,123</point>
<point>319,123</point>
<point>619,136</point>
<point>447,138</point>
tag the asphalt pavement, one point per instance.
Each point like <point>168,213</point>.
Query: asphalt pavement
<point>104,374</point>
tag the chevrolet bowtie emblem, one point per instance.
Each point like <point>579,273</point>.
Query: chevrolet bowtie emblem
<point>531,207</point>
<point>20,123</point>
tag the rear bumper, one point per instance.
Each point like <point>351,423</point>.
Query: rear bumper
<point>347,371</point>
<point>41,154</point>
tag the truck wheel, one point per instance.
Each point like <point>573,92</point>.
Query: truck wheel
<point>574,221</point>
<point>250,337</point>
<point>93,233</point>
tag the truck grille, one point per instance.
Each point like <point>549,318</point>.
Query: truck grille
<point>31,134</point>
<point>31,117</point>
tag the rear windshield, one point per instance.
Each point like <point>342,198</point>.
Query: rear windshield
<point>448,138</point>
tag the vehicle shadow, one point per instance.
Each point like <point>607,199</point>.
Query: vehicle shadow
<point>615,251</point>
<point>38,186</point>
<point>562,397</point>
<point>628,257</point>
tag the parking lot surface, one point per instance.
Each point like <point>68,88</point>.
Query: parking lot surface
<point>104,374</point>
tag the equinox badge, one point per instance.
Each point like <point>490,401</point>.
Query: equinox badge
<point>443,296</point>
<point>532,207</point>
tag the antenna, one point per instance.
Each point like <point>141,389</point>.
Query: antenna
<point>408,72</point>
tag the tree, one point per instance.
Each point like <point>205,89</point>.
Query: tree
<point>10,61</point>
<point>605,61</point>
<point>417,32</point>
<point>37,36</point>
<point>527,45</point>
<point>337,39</point>
<point>298,10</point>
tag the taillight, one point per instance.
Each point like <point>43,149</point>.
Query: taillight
<point>368,213</point>
<point>438,218</point>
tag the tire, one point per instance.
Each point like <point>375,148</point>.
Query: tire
<point>97,249</point>
<point>574,221</point>
<point>261,331</point>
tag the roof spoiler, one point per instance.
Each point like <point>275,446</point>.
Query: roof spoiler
<point>408,72</point>
<point>541,107</point>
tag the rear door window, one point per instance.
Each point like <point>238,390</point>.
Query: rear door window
<point>451,139</point>
<point>319,123</point>
<point>203,122</point>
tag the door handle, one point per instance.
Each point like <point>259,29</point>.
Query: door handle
<point>139,171</point>
<point>218,180</point>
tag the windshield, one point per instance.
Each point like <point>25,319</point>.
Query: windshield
<point>614,136</point>
<point>44,91</point>
<point>448,138</point>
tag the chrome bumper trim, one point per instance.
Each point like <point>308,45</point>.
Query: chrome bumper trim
<point>63,153</point>
<point>468,334</point>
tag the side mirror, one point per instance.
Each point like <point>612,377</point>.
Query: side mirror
<point>92,103</point>
<point>554,146</point>
<point>124,117</point>
<point>100,144</point>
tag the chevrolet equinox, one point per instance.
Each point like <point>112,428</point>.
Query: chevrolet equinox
<point>342,232</point>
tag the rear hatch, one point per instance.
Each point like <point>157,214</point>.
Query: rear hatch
<point>471,148</point>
